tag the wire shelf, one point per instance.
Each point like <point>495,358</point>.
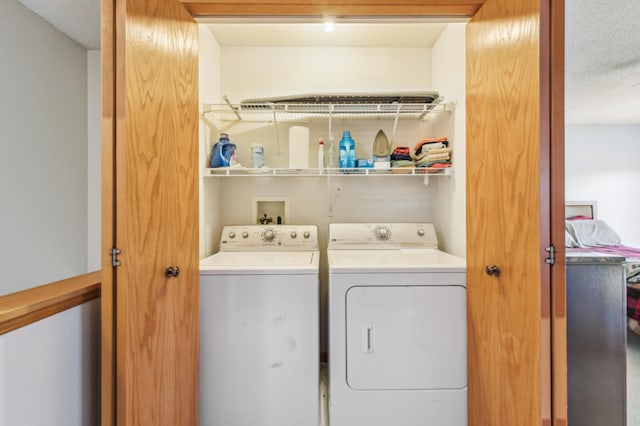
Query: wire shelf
<point>266,171</point>
<point>291,112</point>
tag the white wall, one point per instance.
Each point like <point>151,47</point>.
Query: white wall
<point>43,117</point>
<point>49,370</point>
<point>250,72</point>
<point>272,71</point>
<point>449,78</point>
<point>602,164</point>
<point>94,159</point>
<point>209,92</point>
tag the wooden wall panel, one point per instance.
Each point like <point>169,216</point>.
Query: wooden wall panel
<point>504,225</point>
<point>333,7</point>
<point>157,213</point>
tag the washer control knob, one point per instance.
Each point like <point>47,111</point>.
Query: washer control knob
<point>307,234</point>
<point>382,233</point>
<point>268,235</point>
<point>421,232</point>
<point>245,234</point>
<point>232,235</point>
<point>294,234</point>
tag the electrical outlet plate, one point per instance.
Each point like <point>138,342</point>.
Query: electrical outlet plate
<point>272,207</point>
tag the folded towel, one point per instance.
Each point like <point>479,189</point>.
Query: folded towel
<point>431,140</point>
<point>402,163</point>
<point>419,157</point>
<point>432,143</point>
<point>401,153</point>
<point>402,150</point>
<point>437,150</point>
<point>433,157</point>
<point>435,164</point>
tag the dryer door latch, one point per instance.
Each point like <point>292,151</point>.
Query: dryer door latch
<point>367,338</point>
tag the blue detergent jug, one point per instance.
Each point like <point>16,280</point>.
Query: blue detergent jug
<point>347,155</point>
<point>222,152</point>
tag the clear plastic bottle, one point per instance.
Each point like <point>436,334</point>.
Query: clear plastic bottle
<point>331,156</point>
<point>347,156</point>
<point>257,155</point>
<point>321,155</point>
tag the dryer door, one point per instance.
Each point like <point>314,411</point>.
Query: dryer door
<point>410,337</point>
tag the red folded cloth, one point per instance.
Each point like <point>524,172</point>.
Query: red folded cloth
<point>402,150</point>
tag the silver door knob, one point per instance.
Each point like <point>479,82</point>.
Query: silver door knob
<point>172,272</point>
<point>493,270</point>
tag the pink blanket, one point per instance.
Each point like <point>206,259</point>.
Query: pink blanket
<point>624,251</point>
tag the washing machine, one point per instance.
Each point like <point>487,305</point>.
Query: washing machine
<point>259,333</point>
<point>397,327</point>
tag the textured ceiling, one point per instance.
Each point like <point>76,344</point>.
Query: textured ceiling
<point>602,48</point>
<point>602,62</point>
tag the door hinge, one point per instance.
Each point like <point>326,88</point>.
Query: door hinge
<point>114,257</point>
<point>551,260</point>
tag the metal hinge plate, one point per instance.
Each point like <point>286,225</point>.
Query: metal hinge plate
<point>551,260</point>
<point>114,257</point>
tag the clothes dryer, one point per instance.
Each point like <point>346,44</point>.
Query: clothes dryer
<point>259,328</point>
<point>397,327</point>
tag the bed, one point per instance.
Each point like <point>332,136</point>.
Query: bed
<point>586,233</point>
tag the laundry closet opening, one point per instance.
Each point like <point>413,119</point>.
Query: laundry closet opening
<point>245,59</point>
<point>272,86</point>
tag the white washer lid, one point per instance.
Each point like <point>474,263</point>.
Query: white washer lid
<point>270,262</point>
<point>394,261</point>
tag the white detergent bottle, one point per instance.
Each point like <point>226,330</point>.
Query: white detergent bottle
<point>320,155</point>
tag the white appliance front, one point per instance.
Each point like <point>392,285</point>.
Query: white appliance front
<point>259,349</point>
<point>402,338</point>
<point>397,335</point>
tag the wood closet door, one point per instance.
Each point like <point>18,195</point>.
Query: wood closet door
<point>508,213</point>
<point>156,157</point>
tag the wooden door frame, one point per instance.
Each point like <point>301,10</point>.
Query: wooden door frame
<point>108,126</point>
<point>555,305</point>
<point>558,289</point>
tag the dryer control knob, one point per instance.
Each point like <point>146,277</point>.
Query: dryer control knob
<point>307,234</point>
<point>269,235</point>
<point>232,235</point>
<point>294,234</point>
<point>421,232</point>
<point>245,235</point>
<point>382,233</point>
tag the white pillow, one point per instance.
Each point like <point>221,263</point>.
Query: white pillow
<point>592,233</point>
